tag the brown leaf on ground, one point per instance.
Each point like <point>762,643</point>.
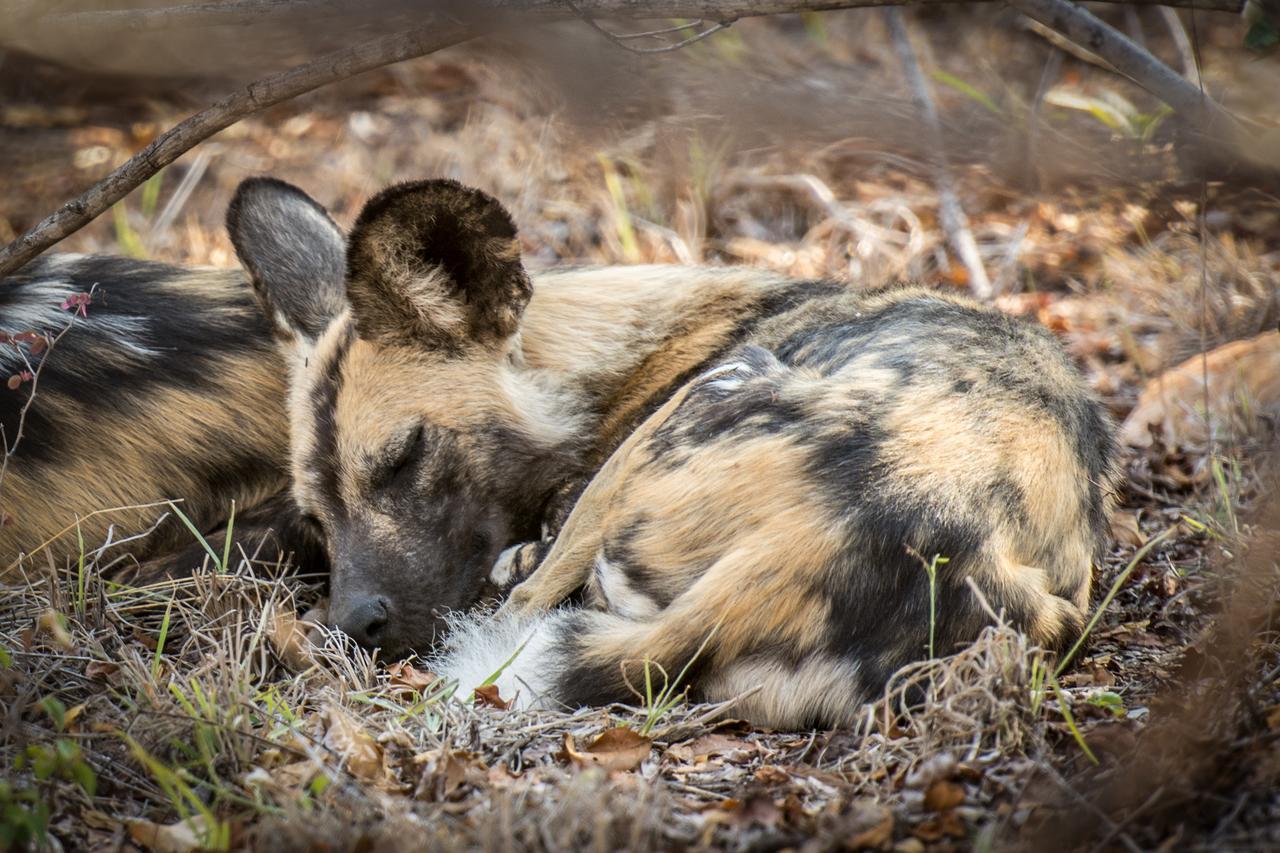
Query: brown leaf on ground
<point>445,773</point>
<point>102,669</point>
<point>709,745</point>
<point>181,837</point>
<point>618,748</point>
<point>943,795</point>
<point>878,820</point>
<point>51,624</point>
<point>944,825</point>
<point>771,774</point>
<point>487,694</point>
<point>406,676</point>
<point>358,750</point>
<point>1243,380</point>
<point>1125,530</point>
<point>288,636</point>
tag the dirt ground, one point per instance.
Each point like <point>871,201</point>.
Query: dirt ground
<point>188,715</point>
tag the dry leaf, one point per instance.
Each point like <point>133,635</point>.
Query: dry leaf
<point>879,822</point>
<point>948,823</point>
<point>487,694</point>
<point>445,773</point>
<point>618,748</point>
<point>101,669</point>
<point>1125,530</point>
<point>943,795</point>
<point>50,623</point>
<point>772,775</point>
<point>700,749</point>
<point>406,676</point>
<point>358,750</point>
<point>181,837</point>
<point>1244,376</point>
<point>288,636</point>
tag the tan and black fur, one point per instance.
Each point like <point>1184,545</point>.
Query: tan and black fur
<point>169,388</point>
<point>780,459</point>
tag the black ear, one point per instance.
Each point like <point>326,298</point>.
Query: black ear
<point>294,253</point>
<point>436,264</point>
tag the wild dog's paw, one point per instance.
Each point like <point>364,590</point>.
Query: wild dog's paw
<point>517,563</point>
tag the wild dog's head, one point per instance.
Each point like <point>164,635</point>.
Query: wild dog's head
<point>419,444</point>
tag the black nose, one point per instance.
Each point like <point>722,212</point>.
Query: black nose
<point>366,621</point>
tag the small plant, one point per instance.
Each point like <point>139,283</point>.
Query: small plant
<point>24,817</point>
<point>931,568</point>
<point>24,809</point>
<point>1108,701</point>
<point>656,704</point>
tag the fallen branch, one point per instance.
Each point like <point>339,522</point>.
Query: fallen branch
<point>181,138</point>
<point>950,212</point>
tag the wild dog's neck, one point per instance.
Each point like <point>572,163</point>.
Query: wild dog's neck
<point>547,449</point>
<point>619,337</point>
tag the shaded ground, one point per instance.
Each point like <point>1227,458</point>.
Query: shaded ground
<point>788,144</point>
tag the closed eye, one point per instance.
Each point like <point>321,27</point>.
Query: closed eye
<point>401,458</point>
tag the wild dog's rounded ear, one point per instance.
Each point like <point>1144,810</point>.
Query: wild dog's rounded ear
<point>436,264</point>
<point>294,253</point>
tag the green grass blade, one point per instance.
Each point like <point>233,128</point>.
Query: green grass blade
<point>195,531</point>
<point>226,546</point>
<point>1111,594</point>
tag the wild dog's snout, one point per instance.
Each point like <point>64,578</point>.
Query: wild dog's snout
<point>365,618</point>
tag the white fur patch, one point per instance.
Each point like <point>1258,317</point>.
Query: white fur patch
<point>478,645</point>
<point>786,696</point>
<point>623,599</point>
<point>40,310</point>
<point>500,574</point>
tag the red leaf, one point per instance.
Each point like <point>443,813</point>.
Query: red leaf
<point>488,695</point>
<point>39,345</point>
<point>14,381</point>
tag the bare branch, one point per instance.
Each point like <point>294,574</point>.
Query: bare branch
<point>1130,59</point>
<point>256,13</point>
<point>621,39</point>
<point>950,212</point>
<point>182,137</point>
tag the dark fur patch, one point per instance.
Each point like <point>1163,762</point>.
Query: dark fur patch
<point>419,246</point>
<point>188,333</point>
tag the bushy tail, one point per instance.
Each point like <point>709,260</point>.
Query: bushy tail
<point>570,657</point>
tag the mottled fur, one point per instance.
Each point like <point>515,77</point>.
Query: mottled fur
<point>170,388</point>
<point>771,464</point>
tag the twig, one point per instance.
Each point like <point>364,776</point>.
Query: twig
<point>1190,68</point>
<point>256,96</point>
<point>951,214</point>
<point>621,39</point>
<point>1130,59</point>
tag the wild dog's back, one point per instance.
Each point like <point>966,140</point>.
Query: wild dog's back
<point>169,386</point>
<point>795,497</point>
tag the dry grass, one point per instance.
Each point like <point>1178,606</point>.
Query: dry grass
<point>787,144</point>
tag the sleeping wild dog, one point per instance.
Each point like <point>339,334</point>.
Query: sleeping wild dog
<point>163,383</point>
<point>772,464</point>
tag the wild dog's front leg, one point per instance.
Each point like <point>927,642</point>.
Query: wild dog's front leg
<point>572,557</point>
<point>517,563</point>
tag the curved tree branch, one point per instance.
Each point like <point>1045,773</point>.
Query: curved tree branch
<point>181,138</point>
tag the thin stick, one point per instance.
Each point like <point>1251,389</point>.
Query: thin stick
<point>256,96</point>
<point>1131,59</point>
<point>951,214</point>
<point>1190,68</point>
